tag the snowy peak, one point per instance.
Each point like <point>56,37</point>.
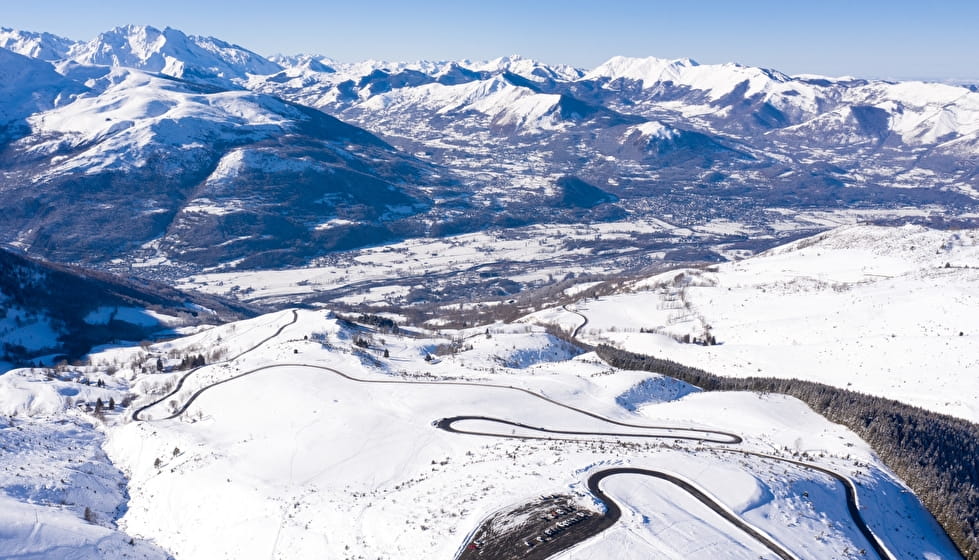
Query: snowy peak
<point>775,98</point>
<point>173,53</point>
<point>315,62</point>
<point>44,46</point>
<point>311,64</point>
<point>527,68</point>
<point>508,105</point>
<point>656,141</point>
<point>649,70</point>
<point>133,46</point>
<point>238,57</point>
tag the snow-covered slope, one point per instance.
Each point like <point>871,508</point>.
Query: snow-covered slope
<point>29,86</point>
<point>60,494</point>
<point>924,113</point>
<point>309,436</point>
<point>885,311</point>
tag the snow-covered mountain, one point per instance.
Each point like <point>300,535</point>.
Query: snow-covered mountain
<point>526,68</point>
<point>713,83</point>
<point>661,137</point>
<point>508,106</point>
<point>158,164</point>
<point>171,52</point>
<point>44,46</point>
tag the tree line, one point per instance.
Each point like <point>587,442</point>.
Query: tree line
<point>937,455</point>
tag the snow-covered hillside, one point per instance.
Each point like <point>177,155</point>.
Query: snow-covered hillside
<point>310,436</point>
<point>100,139</point>
<point>885,311</point>
<point>48,89</point>
<point>715,81</point>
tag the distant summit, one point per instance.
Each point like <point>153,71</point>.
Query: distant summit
<point>173,53</point>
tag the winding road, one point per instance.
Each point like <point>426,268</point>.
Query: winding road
<point>584,321</point>
<point>180,383</point>
<point>710,436</point>
<point>613,511</point>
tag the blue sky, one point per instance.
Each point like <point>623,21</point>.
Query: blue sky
<point>868,38</point>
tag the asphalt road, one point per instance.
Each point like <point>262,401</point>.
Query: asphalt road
<point>584,321</point>
<point>613,512</point>
<point>180,383</point>
<point>709,436</point>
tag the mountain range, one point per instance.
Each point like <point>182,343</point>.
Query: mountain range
<point>187,153</point>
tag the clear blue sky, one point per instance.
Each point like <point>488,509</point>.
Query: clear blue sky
<point>934,39</point>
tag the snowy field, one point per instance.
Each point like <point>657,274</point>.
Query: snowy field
<point>306,456</point>
<point>885,311</point>
<point>541,254</point>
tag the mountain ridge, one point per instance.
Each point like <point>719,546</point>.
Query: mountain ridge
<point>464,146</point>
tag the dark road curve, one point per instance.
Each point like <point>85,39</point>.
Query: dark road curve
<point>613,512</point>
<point>850,489</point>
<point>584,321</point>
<point>852,505</point>
<point>447,425</point>
<point>180,383</point>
